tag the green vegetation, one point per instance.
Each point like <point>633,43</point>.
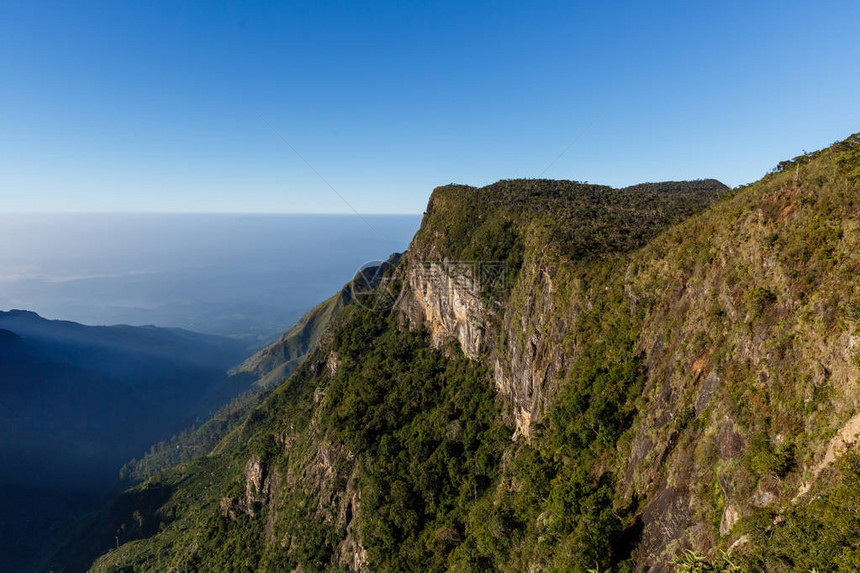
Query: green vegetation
<point>583,220</point>
<point>822,535</point>
<point>694,562</point>
<point>551,507</point>
<point>430,431</point>
<point>676,367</point>
<point>759,299</point>
<point>765,458</point>
<point>427,428</point>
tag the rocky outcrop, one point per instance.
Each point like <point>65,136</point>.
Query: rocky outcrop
<point>444,297</point>
<point>531,357</point>
<point>522,344</point>
<point>262,487</point>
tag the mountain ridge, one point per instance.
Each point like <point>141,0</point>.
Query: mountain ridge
<point>78,401</point>
<point>674,369</point>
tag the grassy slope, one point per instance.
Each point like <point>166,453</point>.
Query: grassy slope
<point>766,303</point>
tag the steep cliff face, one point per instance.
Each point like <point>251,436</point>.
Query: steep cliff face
<point>743,319</point>
<point>572,378</point>
<point>493,289</point>
<point>445,298</point>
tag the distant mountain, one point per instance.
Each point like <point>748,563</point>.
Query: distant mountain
<point>76,402</point>
<point>267,368</point>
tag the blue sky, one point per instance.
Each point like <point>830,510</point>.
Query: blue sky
<point>152,106</point>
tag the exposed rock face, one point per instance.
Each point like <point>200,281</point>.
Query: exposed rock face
<point>666,518</point>
<point>332,363</point>
<point>255,475</point>
<point>531,358</point>
<point>331,478</point>
<point>524,352</point>
<point>351,553</point>
<point>444,297</point>
<point>731,513</point>
<point>261,487</point>
<point>328,477</point>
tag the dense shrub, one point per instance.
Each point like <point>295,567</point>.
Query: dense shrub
<point>764,457</point>
<point>430,430</point>
<point>822,535</point>
<point>581,219</point>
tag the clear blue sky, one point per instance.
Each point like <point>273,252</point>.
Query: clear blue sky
<point>152,106</point>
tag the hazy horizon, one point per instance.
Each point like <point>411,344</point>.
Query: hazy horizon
<point>244,275</point>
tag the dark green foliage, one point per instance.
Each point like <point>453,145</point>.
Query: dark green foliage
<point>764,457</point>
<point>426,428</point>
<point>587,411</point>
<point>497,241</point>
<point>583,220</point>
<point>430,431</point>
<point>758,299</point>
<point>552,508</point>
<point>822,535</point>
<point>433,493</point>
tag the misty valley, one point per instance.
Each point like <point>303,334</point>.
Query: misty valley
<point>87,411</point>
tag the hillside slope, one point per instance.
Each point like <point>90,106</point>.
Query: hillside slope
<point>78,401</point>
<point>281,358</point>
<point>107,391</point>
<point>677,365</point>
<point>260,373</point>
